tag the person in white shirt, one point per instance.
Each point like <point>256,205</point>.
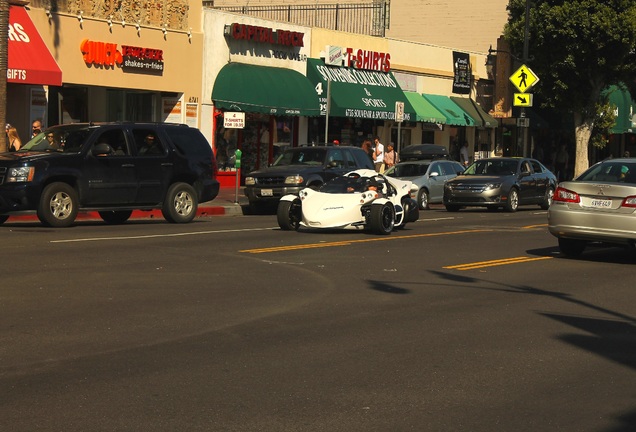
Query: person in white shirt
<point>463,154</point>
<point>378,154</point>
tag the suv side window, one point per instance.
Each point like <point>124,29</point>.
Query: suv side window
<point>189,141</point>
<point>362,159</point>
<point>148,143</point>
<point>336,156</point>
<point>116,140</point>
<point>349,161</point>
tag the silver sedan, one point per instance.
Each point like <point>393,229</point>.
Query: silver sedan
<point>428,176</point>
<point>598,206</point>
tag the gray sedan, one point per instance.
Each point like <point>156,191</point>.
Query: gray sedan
<point>428,176</point>
<point>597,206</point>
<point>501,182</point>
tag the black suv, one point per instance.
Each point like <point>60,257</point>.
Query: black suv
<point>300,167</point>
<point>112,168</point>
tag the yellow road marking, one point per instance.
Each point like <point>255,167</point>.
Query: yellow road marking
<point>350,242</point>
<point>534,226</point>
<point>492,263</point>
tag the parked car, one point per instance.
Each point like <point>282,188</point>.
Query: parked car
<point>501,182</point>
<point>423,151</point>
<point>112,168</point>
<point>300,167</point>
<point>362,199</point>
<point>429,177</point>
<point>598,206</point>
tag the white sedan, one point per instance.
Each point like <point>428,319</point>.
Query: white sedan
<point>361,199</point>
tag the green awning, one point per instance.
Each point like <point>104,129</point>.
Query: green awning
<point>357,93</point>
<point>621,98</point>
<point>424,110</point>
<point>481,117</point>
<point>455,116</point>
<point>263,89</point>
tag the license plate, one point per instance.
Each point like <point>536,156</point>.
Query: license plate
<point>601,203</point>
<point>267,192</point>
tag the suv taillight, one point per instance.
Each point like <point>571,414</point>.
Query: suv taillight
<point>565,195</point>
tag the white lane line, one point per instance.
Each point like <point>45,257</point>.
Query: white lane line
<point>92,239</point>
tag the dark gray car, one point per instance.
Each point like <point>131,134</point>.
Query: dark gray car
<point>501,182</point>
<point>300,167</point>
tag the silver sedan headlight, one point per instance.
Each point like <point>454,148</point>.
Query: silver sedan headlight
<point>20,174</point>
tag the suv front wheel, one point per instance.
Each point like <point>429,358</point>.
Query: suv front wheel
<point>58,205</point>
<point>180,205</point>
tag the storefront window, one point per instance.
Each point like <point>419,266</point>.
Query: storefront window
<point>131,106</point>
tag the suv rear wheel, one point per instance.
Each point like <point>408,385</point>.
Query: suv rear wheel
<point>180,205</point>
<point>58,205</point>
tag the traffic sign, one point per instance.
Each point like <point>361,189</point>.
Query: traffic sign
<point>399,112</point>
<point>524,78</point>
<point>523,99</point>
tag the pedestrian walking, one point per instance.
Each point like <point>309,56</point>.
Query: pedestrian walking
<point>378,155</point>
<point>13,138</point>
<point>390,157</point>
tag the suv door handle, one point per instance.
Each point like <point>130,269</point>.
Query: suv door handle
<point>166,164</point>
<point>127,165</point>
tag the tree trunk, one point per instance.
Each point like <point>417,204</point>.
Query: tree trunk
<point>582,132</point>
<point>4,57</point>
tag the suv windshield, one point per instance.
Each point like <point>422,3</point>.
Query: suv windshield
<point>301,156</point>
<point>66,139</point>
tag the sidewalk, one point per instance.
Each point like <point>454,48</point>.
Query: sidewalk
<point>225,204</point>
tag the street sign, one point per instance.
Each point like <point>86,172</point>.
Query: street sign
<point>523,99</point>
<point>523,122</point>
<point>524,78</point>
<point>399,112</point>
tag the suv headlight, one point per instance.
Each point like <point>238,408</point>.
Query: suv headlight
<point>294,179</point>
<point>250,181</point>
<point>20,174</point>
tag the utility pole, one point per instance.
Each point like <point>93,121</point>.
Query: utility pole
<point>525,58</point>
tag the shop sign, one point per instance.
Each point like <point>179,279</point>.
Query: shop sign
<point>265,35</point>
<point>358,59</point>
<point>129,58</point>
<point>462,73</point>
<point>234,120</point>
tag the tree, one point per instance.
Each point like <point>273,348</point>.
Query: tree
<point>577,48</point>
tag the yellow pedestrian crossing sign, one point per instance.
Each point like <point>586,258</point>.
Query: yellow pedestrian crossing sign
<point>522,99</point>
<point>524,78</point>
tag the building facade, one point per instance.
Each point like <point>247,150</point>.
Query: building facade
<point>140,64</point>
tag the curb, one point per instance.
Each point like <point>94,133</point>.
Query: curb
<point>202,212</point>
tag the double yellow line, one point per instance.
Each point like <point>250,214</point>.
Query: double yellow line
<point>350,242</point>
<point>498,262</point>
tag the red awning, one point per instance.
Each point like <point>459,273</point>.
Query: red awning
<point>30,61</point>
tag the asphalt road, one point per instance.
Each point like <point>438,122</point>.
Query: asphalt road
<point>466,321</point>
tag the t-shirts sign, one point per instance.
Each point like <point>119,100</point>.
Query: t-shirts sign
<point>234,120</point>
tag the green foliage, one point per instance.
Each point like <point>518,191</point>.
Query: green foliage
<point>604,121</point>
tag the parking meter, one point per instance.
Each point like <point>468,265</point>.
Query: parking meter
<point>237,163</point>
